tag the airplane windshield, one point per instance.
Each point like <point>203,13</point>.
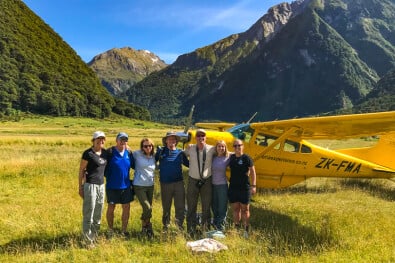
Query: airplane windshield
<point>242,131</point>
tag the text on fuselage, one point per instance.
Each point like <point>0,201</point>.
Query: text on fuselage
<point>344,166</point>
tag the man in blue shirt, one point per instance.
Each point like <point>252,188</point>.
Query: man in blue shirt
<point>118,186</point>
<point>171,180</point>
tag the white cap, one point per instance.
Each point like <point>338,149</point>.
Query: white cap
<point>98,134</point>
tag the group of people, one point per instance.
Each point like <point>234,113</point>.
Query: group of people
<point>207,181</point>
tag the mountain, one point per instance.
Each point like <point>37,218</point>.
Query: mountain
<point>120,68</point>
<point>382,98</point>
<point>40,73</point>
<point>299,59</point>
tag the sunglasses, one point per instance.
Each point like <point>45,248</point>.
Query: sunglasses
<point>200,135</point>
<point>237,145</point>
<point>147,146</point>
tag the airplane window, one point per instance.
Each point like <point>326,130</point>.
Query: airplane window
<point>291,146</point>
<point>266,140</point>
<point>261,140</point>
<point>305,149</point>
<point>242,131</point>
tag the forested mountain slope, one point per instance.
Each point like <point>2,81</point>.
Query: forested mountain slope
<point>299,59</point>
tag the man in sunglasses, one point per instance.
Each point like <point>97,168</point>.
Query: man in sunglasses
<point>199,182</point>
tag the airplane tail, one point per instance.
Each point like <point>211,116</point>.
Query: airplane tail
<point>381,153</point>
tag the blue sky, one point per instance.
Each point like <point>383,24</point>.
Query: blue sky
<point>168,28</point>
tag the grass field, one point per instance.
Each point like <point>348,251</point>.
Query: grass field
<point>320,220</point>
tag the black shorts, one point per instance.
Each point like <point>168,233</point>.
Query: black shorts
<point>119,196</point>
<point>239,196</point>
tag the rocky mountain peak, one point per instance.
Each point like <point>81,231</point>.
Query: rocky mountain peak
<point>128,59</point>
<point>274,20</point>
<point>119,68</point>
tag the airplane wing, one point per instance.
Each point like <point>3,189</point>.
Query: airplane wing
<point>333,127</point>
<point>221,126</point>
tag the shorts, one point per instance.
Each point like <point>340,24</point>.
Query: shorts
<point>119,196</point>
<point>239,196</point>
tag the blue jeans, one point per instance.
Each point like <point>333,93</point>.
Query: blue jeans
<point>220,205</point>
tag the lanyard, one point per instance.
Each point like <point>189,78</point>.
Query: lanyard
<point>198,159</point>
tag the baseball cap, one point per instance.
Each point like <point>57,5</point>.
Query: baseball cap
<point>201,131</point>
<point>98,134</point>
<point>122,135</point>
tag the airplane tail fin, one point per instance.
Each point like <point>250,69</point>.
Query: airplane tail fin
<point>381,153</point>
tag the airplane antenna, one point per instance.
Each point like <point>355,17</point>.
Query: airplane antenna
<point>252,117</point>
<point>188,124</point>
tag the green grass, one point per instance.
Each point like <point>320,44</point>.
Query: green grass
<point>320,220</point>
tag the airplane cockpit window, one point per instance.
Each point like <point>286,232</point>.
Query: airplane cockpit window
<point>305,149</point>
<point>265,140</point>
<point>291,146</point>
<point>242,131</point>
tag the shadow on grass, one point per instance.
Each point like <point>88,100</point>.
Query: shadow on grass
<point>48,244</point>
<point>377,188</point>
<point>302,189</point>
<point>40,244</point>
<point>285,236</point>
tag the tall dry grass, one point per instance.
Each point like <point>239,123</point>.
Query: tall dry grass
<point>320,220</point>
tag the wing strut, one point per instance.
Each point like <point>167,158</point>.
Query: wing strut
<point>277,141</point>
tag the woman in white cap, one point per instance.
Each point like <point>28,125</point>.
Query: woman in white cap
<point>91,187</point>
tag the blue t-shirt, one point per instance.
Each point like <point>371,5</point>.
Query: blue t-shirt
<point>118,168</point>
<point>170,164</point>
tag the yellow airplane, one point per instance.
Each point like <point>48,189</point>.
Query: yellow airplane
<point>282,156</point>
